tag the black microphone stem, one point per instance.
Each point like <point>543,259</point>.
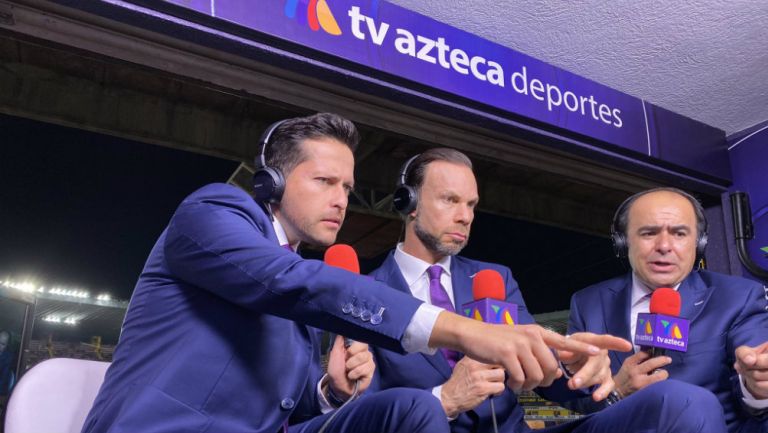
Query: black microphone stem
<point>743,231</point>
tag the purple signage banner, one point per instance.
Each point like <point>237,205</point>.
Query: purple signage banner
<point>400,42</point>
<point>491,311</point>
<point>658,330</point>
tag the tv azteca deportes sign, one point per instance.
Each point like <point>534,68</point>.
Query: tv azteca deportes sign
<point>400,42</point>
<point>464,62</point>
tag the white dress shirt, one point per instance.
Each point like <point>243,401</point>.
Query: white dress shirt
<point>414,272</point>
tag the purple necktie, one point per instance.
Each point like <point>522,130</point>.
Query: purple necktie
<point>440,298</point>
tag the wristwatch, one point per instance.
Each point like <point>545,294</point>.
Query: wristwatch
<point>613,398</point>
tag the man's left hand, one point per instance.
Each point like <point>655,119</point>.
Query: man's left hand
<point>752,365</point>
<point>589,370</point>
<point>349,365</point>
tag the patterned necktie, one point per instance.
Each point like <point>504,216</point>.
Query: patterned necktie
<point>440,298</point>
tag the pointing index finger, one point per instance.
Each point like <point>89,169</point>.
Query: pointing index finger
<point>559,342</point>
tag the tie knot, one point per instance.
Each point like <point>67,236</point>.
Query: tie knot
<point>434,272</point>
<point>287,247</point>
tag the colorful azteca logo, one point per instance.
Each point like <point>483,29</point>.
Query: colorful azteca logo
<point>647,325</point>
<point>671,329</point>
<point>500,315</point>
<point>318,15</point>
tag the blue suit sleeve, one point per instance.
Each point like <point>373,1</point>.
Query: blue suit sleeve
<point>215,242</point>
<point>749,329</point>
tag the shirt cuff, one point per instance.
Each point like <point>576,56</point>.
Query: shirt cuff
<point>749,399</point>
<point>416,337</point>
<point>325,406</point>
<point>438,392</point>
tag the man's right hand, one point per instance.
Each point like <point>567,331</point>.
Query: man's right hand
<point>469,385</point>
<point>639,371</point>
<point>522,350</point>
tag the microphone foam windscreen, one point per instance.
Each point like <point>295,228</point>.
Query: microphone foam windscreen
<point>488,283</point>
<point>665,301</point>
<point>342,256</point>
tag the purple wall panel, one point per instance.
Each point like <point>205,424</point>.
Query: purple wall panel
<point>749,162</point>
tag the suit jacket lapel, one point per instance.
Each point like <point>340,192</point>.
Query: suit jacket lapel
<point>461,280</point>
<point>693,295</point>
<point>395,279</point>
<point>616,310</point>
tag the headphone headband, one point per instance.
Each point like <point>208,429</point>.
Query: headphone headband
<point>405,198</point>
<point>261,161</point>
<point>619,236</point>
<point>268,182</point>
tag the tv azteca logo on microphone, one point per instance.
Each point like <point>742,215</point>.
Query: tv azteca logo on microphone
<point>662,331</point>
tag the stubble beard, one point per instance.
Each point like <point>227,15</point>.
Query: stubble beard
<point>433,243</point>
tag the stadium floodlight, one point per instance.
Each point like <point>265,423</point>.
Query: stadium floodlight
<point>29,286</point>
<point>70,321</point>
<point>25,286</point>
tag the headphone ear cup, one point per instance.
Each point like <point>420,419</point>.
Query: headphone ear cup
<point>268,185</point>
<point>701,246</point>
<point>619,245</point>
<point>404,199</point>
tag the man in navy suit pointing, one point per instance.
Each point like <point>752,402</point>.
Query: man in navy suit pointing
<point>218,336</point>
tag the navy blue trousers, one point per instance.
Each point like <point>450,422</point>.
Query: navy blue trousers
<point>669,406</point>
<point>396,410</point>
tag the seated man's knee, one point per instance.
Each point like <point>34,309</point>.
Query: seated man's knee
<point>680,394</point>
<point>690,405</point>
<point>419,400</point>
<point>415,410</point>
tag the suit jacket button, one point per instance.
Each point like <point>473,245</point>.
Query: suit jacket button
<point>287,403</point>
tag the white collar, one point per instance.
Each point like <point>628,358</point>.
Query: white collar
<point>640,290</point>
<point>282,238</point>
<point>413,268</point>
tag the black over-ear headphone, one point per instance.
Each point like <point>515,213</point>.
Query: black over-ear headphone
<point>268,182</point>
<point>405,197</point>
<point>619,237</point>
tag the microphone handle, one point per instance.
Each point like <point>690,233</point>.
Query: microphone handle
<point>655,352</point>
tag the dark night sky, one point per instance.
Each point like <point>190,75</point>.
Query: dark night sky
<point>84,209</point>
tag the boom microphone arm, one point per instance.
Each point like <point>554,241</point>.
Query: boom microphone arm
<point>744,230</point>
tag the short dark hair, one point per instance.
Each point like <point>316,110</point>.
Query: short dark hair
<point>414,176</point>
<point>621,220</point>
<point>284,150</point>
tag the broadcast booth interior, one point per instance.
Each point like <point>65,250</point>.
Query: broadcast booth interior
<point>554,152</point>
